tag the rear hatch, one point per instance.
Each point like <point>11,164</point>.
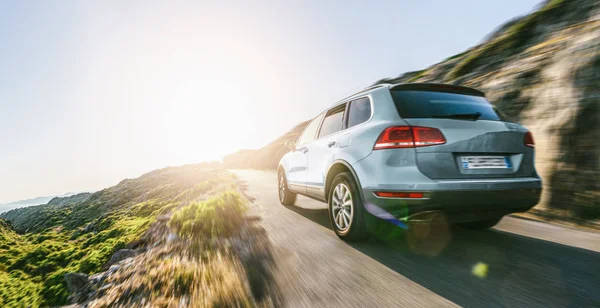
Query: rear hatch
<point>478,143</point>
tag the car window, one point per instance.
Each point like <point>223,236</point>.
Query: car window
<point>426,104</point>
<point>333,121</point>
<point>359,111</point>
<point>310,131</point>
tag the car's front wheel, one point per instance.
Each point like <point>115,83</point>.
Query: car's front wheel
<point>346,210</point>
<point>286,197</point>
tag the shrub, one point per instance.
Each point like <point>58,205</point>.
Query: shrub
<point>219,215</point>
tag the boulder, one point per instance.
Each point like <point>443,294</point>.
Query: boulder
<point>120,255</point>
<point>76,281</point>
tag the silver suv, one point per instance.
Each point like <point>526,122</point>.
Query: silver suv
<point>402,152</point>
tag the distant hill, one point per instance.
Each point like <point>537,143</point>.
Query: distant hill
<point>29,202</point>
<point>540,70</point>
<point>267,157</point>
<point>26,217</point>
<point>62,201</point>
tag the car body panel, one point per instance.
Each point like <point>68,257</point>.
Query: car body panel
<point>321,153</point>
<point>474,138</point>
<point>295,164</point>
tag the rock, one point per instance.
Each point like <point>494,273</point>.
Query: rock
<point>113,269</point>
<point>76,281</point>
<point>171,237</point>
<point>163,218</point>
<point>105,287</point>
<point>89,227</point>
<point>98,278</point>
<point>120,255</point>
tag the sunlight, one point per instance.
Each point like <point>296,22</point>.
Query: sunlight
<point>204,120</point>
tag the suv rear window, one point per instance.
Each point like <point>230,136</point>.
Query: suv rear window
<point>429,104</point>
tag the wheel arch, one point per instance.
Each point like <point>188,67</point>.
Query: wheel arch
<point>281,167</point>
<point>334,169</point>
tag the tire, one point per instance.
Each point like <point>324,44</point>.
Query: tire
<point>347,218</point>
<point>286,197</point>
<point>480,225</point>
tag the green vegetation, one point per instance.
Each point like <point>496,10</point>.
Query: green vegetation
<point>200,268</point>
<point>418,74</point>
<point>81,237</point>
<point>33,264</point>
<point>513,39</point>
<point>217,216</point>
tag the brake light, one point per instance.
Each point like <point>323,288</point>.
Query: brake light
<point>425,136</point>
<point>407,195</point>
<point>408,137</point>
<point>528,140</point>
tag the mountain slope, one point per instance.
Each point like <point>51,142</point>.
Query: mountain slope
<point>540,70</point>
<point>24,203</point>
<point>117,234</point>
<point>266,157</point>
<point>26,217</point>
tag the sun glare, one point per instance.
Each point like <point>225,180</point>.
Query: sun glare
<point>205,120</point>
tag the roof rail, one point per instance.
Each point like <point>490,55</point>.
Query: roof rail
<point>363,90</point>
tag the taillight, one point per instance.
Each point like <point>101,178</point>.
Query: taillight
<point>425,136</point>
<point>395,137</point>
<point>528,140</point>
<point>408,137</point>
<point>399,194</point>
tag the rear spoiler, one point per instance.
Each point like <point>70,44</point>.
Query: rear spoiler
<point>437,87</point>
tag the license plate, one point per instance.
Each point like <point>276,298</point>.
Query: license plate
<point>485,162</point>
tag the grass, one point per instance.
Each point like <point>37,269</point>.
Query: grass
<point>172,276</point>
<point>418,74</point>
<point>211,276</point>
<point>515,37</point>
<point>41,259</point>
<point>218,216</point>
<point>33,263</point>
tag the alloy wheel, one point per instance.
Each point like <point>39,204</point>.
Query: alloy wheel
<point>342,207</point>
<point>281,187</point>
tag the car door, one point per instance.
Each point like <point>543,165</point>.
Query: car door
<point>321,152</point>
<point>296,162</point>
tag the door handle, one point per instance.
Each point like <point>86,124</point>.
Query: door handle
<point>331,143</point>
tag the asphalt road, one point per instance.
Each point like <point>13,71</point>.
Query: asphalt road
<point>529,264</point>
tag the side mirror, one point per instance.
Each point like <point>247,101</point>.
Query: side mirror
<point>290,144</point>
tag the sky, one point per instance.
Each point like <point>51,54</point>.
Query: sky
<point>92,92</point>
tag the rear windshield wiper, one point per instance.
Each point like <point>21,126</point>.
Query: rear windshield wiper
<point>466,116</point>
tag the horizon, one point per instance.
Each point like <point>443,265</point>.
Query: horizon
<point>93,93</point>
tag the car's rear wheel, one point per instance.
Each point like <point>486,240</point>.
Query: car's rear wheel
<point>346,210</point>
<point>480,225</point>
<point>286,197</point>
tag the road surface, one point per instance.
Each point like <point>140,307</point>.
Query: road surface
<point>529,264</point>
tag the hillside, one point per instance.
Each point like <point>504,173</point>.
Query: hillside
<point>96,249</point>
<point>540,70</point>
<point>28,202</point>
<point>26,218</point>
<point>62,201</point>
<point>266,157</point>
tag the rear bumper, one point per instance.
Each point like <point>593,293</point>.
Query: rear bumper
<point>459,200</point>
